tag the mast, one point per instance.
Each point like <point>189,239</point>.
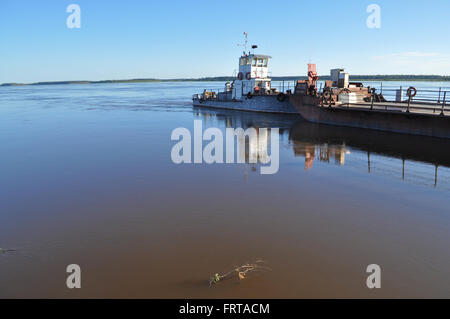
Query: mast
<point>244,44</point>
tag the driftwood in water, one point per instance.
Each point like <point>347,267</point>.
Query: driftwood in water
<point>240,271</point>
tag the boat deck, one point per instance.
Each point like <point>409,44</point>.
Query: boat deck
<point>420,108</point>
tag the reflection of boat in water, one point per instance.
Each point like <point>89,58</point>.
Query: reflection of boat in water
<point>345,103</point>
<point>235,119</point>
<point>323,152</point>
<point>323,143</point>
<point>327,143</point>
<point>417,148</point>
<point>254,148</point>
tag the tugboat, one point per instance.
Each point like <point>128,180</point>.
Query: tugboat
<point>345,103</point>
<point>250,91</point>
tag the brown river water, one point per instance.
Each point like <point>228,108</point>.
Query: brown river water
<point>87,178</point>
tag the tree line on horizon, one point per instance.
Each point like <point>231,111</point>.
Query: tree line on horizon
<point>398,77</point>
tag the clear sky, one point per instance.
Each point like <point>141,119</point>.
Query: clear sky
<point>196,38</point>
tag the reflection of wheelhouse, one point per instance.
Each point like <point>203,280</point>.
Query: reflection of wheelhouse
<point>253,76</point>
<point>257,147</point>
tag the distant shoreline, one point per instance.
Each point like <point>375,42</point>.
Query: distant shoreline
<point>426,78</point>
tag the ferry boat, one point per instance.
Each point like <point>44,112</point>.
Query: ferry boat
<point>345,103</point>
<point>251,90</point>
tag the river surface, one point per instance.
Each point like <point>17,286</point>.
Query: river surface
<point>86,178</point>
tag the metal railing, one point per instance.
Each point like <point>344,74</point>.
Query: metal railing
<point>425,99</point>
<point>425,95</point>
<point>280,86</point>
<point>284,86</point>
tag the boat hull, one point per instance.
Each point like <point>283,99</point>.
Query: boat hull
<point>390,121</point>
<point>258,103</point>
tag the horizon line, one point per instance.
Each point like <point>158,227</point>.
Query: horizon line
<point>385,77</point>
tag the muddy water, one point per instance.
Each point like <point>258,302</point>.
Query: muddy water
<point>87,179</point>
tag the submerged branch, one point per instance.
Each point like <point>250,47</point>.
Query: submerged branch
<point>240,271</point>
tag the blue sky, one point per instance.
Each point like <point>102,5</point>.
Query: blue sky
<point>196,38</point>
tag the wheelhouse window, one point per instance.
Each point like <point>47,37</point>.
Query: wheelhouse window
<point>254,62</point>
<point>260,62</point>
<point>265,62</point>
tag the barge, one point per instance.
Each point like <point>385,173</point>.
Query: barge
<point>351,104</point>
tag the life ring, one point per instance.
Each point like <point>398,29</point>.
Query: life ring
<point>281,97</point>
<point>326,95</point>
<point>248,75</point>
<point>249,95</point>
<point>411,92</point>
<point>240,76</point>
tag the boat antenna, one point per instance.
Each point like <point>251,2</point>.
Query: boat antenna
<point>244,44</point>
